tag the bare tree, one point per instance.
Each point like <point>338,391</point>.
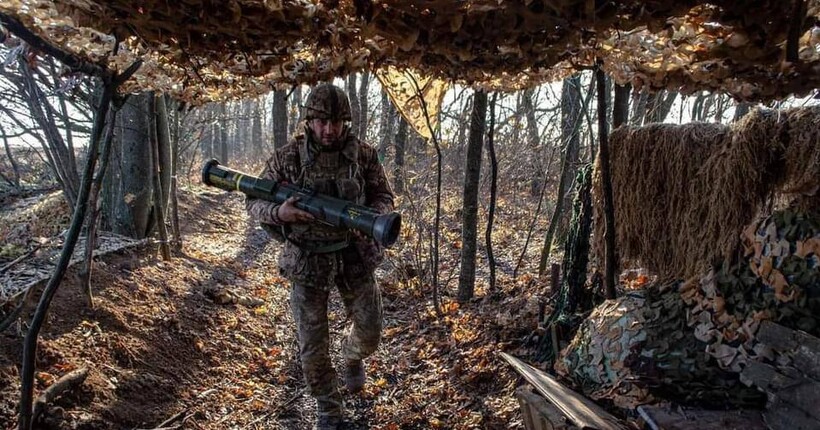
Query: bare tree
<point>400,145</point>
<point>127,200</point>
<point>469,218</point>
<point>256,148</point>
<point>387,125</point>
<point>279,119</point>
<point>363,87</point>
<point>223,133</point>
<point>533,139</point>
<point>56,149</point>
<point>15,169</point>
<point>571,140</point>
<point>620,110</point>
<point>493,192</point>
<point>355,108</point>
<point>295,114</point>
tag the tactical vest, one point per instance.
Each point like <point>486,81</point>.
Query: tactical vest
<point>332,172</point>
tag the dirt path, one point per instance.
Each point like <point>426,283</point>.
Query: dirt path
<point>209,336</point>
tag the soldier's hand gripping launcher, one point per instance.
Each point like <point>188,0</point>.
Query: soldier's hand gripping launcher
<point>384,228</point>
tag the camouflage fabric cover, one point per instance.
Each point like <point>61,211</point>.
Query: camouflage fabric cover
<point>327,101</point>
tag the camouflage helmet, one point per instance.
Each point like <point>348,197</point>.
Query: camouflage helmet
<point>327,101</point>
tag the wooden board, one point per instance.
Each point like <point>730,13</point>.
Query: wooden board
<point>537,413</point>
<point>793,390</point>
<point>803,347</point>
<point>581,411</point>
<point>662,417</point>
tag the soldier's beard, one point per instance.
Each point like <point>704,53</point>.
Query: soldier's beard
<point>329,142</point>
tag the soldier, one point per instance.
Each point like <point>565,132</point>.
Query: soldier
<point>331,160</point>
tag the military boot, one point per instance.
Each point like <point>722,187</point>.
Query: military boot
<point>354,376</point>
<point>329,412</point>
<point>328,422</point>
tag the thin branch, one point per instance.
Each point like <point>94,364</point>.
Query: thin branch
<point>72,61</point>
<point>493,191</point>
<point>110,82</point>
<point>433,136</point>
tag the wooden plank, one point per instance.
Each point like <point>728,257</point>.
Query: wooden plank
<point>803,347</point>
<point>665,418</point>
<point>526,411</point>
<point>782,416</point>
<point>804,396</point>
<point>581,411</point>
<point>538,414</point>
<point>766,377</point>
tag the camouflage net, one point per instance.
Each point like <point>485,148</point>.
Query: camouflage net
<point>684,192</point>
<point>637,349</point>
<point>688,341</point>
<point>201,50</point>
<point>778,280</point>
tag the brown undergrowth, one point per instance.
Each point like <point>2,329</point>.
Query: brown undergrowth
<point>209,335</point>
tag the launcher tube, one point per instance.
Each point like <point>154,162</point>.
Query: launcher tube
<point>384,228</point>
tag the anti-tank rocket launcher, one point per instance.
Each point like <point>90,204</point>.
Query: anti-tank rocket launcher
<point>384,228</point>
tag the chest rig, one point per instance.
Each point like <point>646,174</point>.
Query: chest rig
<point>334,172</point>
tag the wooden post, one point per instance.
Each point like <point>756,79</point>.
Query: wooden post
<point>606,180</point>
<point>94,211</point>
<point>159,210</point>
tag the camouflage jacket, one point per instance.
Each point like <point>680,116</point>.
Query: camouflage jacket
<point>353,173</point>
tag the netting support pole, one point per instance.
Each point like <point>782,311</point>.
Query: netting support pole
<point>606,180</point>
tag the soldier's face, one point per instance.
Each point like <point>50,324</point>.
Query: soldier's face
<point>327,131</point>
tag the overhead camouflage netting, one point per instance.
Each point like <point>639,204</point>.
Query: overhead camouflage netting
<point>201,50</point>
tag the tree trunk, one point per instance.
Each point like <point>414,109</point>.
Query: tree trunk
<point>658,106</point>
<point>620,110</point>
<point>469,217</point>
<point>741,110</point>
<point>280,119</point>
<point>606,179</point>
<point>295,110</point>
<point>355,111</point>
<point>256,149</point>
<point>363,113</point>
<point>127,207</point>
<point>576,250</point>
<point>94,207</point>
<point>488,239</point>
<point>206,138</point>
<point>463,126</point>
<point>720,107</point>
<point>15,180</point>
<point>245,143</point>
<point>533,140</point>
<point>639,102</point>
<point>401,144</point>
<point>163,148</point>
<point>570,138</point>
<point>571,119</point>
<point>223,134</point>
<point>158,208</point>
<point>56,150</point>
<point>174,171</point>
<point>387,125</point>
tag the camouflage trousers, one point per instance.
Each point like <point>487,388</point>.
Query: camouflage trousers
<point>309,303</point>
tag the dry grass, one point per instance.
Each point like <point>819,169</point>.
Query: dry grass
<point>683,193</point>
